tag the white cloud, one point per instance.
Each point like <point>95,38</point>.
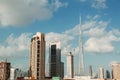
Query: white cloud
<point>97,29</point>
<point>99,45</point>
<point>99,4</point>
<point>98,38</point>
<point>15,46</point>
<point>22,12</point>
<point>57,4</point>
<point>96,4</point>
<point>65,40</point>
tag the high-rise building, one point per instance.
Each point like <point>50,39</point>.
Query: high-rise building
<point>37,56</point>
<point>55,59</point>
<point>70,65</point>
<point>80,54</point>
<point>101,73</point>
<point>4,70</point>
<point>116,71</point>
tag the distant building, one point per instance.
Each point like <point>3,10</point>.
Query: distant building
<point>70,66</point>
<point>62,70</point>
<point>101,73</point>
<point>55,60</point>
<point>90,71</point>
<point>12,74</point>
<point>15,73</point>
<point>116,71</point>
<point>108,74</point>
<point>4,70</point>
<point>37,56</point>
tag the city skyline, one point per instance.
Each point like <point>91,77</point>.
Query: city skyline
<point>100,21</point>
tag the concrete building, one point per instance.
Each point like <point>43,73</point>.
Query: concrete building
<point>101,73</point>
<point>37,56</point>
<point>12,74</point>
<point>4,70</point>
<point>116,71</point>
<point>70,66</point>
<point>55,59</point>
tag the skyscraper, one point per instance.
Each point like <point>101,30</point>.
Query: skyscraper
<point>80,54</point>
<point>70,65</point>
<point>116,71</point>
<point>55,59</point>
<point>37,56</point>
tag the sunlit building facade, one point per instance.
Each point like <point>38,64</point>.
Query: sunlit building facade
<point>70,65</point>
<point>4,70</point>
<point>116,71</point>
<point>37,56</point>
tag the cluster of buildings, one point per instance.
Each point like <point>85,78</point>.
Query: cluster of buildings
<point>56,69</point>
<point>9,73</point>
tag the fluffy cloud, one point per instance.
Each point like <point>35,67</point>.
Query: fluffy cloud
<point>99,4</point>
<point>96,4</point>
<point>21,12</point>
<point>15,45</point>
<point>64,39</point>
<point>97,38</point>
<point>98,45</point>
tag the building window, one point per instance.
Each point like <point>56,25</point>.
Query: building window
<point>38,51</point>
<point>37,37</point>
<point>38,46</point>
<point>38,42</point>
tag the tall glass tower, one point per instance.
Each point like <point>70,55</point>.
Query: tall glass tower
<point>55,64</point>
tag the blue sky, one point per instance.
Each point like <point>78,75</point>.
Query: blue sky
<point>59,20</point>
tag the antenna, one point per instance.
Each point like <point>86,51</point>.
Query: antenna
<point>80,54</point>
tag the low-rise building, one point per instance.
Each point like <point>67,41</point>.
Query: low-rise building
<point>4,70</point>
